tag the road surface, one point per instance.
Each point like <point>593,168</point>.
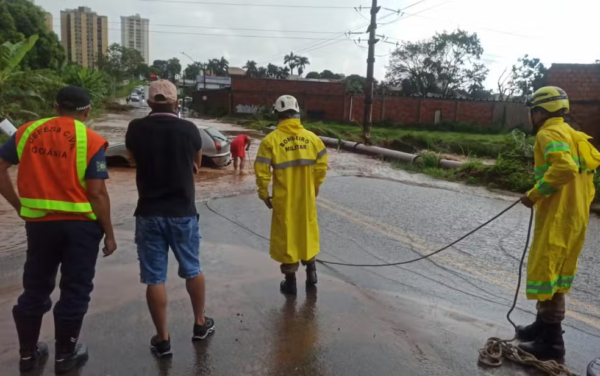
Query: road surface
<point>428,318</point>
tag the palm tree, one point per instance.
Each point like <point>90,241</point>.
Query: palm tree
<point>213,66</point>
<point>283,73</point>
<point>262,72</point>
<point>272,70</point>
<point>223,67</point>
<point>291,61</point>
<point>301,63</point>
<point>251,68</point>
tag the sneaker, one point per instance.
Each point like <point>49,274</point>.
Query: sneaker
<point>29,362</point>
<point>160,349</point>
<point>202,331</point>
<point>65,363</point>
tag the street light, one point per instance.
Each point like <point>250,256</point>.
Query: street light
<point>203,66</point>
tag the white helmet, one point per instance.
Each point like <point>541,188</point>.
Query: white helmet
<point>286,103</point>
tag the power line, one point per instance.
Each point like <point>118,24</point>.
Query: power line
<point>251,5</point>
<point>228,28</point>
<point>236,35</point>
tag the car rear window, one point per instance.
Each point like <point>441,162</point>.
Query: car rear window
<point>215,134</point>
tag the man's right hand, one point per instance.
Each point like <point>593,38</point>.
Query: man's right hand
<point>110,246</point>
<point>268,203</point>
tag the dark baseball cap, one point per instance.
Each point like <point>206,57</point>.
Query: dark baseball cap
<point>73,98</point>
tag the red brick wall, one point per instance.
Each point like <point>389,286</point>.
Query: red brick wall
<point>580,81</point>
<point>405,110</point>
<point>582,84</point>
<point>327,98</point>
<point>476,112</point>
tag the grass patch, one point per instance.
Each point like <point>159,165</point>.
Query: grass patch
<point>403,139</point>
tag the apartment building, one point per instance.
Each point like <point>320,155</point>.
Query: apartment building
<point>84,34</point>
<point>135,34</point>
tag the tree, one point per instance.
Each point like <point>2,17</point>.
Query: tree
<point>282,73</point>
<point>159,68</point>
<point>528,75</point>
<point>173,69</point>
<point>251,68</point>
<point>301,63</point>
<point>18,87</point>
<point>314,75</point>
<point>442,65</point>
<point>120,62</point>
<point>262,73</point>
<point>329,75</point>
<point>193,70</point>
<point>291,61</point>
<point>272,70</point>
<point>95,82</point>
<point>355,84</point>
<point>223,67</point>
<point>19,20</point>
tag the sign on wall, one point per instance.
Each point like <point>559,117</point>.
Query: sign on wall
<point>248,109</point>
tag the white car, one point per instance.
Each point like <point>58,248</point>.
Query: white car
<point>134,97</point>
<point>215,150</point>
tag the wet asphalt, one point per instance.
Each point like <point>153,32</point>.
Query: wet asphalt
<point>428,318</point>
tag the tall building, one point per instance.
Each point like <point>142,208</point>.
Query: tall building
<point>49,22</point>
<point>84,34</point>
<point>135,34</point>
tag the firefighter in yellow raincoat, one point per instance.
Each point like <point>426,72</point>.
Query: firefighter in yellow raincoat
<point>298,159</point>
<point>564,164</point>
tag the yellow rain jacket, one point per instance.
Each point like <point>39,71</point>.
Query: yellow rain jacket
<point>299,162</point>
<point>563,194</point>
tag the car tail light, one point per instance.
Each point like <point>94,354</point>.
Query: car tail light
<point>218,145</point>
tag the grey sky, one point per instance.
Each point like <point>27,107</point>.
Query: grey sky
<point>556,31</point>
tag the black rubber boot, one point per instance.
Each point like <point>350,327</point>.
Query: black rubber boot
<point>594,368</point>
<point>288,286</point>
<point>31,352</point>
<point>65,363</point>
<point>530,332</point>
<point>311,274</point>
<point>549,345</point>
<point>34,360</point>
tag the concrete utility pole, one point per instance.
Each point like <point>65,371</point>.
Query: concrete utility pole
<point>369,89</point>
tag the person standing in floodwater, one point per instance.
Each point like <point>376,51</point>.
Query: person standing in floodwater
<point>167,152</point>
<point>299,162</point>
<point>239,146</point>
<point>66,207</point>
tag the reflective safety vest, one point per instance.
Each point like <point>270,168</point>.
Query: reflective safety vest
<point>53,155</point>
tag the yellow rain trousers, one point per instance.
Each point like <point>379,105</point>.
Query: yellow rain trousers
<point>298,159</point>
<point>563,194</point>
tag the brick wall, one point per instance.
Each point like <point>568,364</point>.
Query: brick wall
<point>582,84</point>
<point>325,100</point>
<point>406,110</point>
<point>328,100</point>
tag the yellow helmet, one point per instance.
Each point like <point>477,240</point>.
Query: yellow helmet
<point>551,99</point>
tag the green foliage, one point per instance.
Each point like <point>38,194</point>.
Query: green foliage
<point>121,63</point>
<point>429,159</point>
<point>444,65</point>
<point>19,90</point>
<point>193,70</point>
<point>97,83</point>
<point>19,20</point>
<point>313,75</point>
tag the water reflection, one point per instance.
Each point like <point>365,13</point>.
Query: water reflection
<point>297,347</point>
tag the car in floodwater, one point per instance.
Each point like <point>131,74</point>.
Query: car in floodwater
<point>215,150</point>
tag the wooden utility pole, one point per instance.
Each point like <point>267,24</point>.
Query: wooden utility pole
<point>369,89</point>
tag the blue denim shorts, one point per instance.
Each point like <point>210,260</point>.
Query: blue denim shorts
<point>155,235</point>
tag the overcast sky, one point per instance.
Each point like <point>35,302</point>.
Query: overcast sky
<point>553,30</point>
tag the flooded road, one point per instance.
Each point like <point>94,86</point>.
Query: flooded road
<point>427,318</point>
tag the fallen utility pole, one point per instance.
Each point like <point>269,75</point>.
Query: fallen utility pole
<point>370,84</point>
